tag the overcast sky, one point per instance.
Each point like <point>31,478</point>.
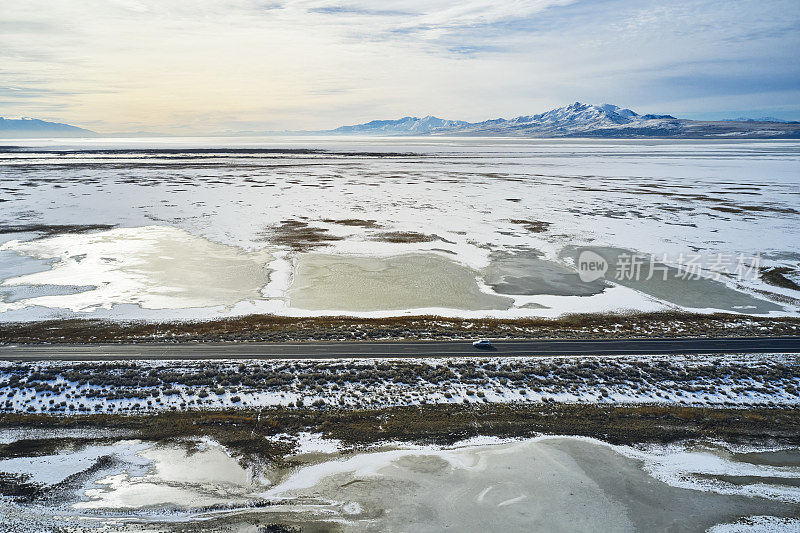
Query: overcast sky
<point>215,65</point>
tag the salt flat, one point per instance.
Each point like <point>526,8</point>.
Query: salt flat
<point>233,227</point>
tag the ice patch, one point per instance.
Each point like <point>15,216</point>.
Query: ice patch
<point>155,267</point>
<point>52,469</point>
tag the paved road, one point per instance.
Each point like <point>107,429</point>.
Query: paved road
<point>319,350</point>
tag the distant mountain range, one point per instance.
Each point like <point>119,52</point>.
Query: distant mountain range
<point>759,119</point>
<point>574,120</point>
<point>32,127</point>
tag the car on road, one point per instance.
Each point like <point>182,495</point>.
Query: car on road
<point>483,344</point>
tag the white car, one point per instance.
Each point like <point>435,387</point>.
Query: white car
<point>483,343</point>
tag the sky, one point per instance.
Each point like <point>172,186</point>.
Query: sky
<point>206,66</point>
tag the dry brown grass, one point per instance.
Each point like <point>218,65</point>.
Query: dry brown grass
<point>404,237</point>
<point>244,430</point>
<point>353,222</point>
<point>271,328</point>
<point>298,235</point>
<point>47,230</point>
<point>776,276</point>
<point>534,226</point>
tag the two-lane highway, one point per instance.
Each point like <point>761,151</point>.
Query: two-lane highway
<point>342,350</point>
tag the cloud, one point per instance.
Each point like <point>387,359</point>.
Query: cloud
<point>429,21</point>
<point>203,66</point>
<point>353,10</point>
<point>31,92</point>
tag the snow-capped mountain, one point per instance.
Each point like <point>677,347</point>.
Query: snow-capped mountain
<point>574,120</point>
<point>581,115</point>
<point>403,126</point>
<point>32,127</point>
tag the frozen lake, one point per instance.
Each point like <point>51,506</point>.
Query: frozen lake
<point>198,228</point>
<point>492,484</point>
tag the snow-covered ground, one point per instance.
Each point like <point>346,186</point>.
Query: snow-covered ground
<point>201,230</point>
<point>146,486</point>
<point>147,386</point>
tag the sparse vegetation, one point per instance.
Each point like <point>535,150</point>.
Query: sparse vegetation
<point>298,235</point>
<point>244,430</point>
<point>353,222</point>
<point>404,237</point>
<point>68,388</point>
<point>47,230</point>
<point>533,226</point>
<point>271,328</point>
<point>777,276</point>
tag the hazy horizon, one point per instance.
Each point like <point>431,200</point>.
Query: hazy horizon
<point>252,65</point>
<point>300,132</point>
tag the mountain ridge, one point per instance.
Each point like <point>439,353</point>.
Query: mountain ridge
<point>34,127</point>
<point>574,120</point>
